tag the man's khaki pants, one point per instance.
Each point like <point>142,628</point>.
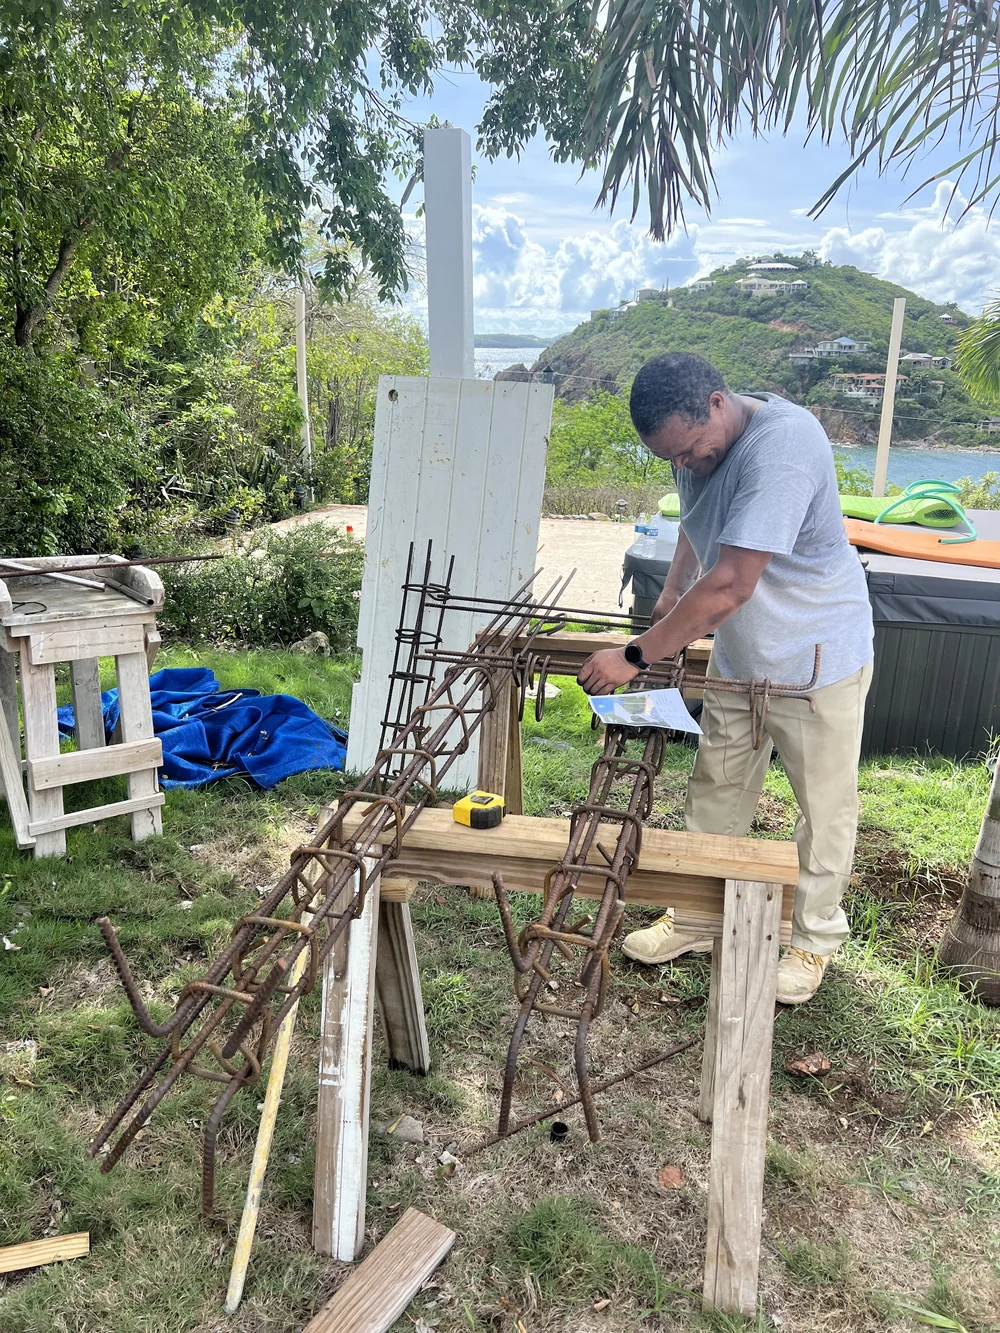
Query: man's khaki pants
<point>819,748</point>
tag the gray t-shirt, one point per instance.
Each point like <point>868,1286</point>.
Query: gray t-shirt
<point>776,490</point>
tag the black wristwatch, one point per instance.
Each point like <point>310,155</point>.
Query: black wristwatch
<point>634,657</point>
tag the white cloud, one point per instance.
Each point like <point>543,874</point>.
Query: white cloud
<point>942,255</point>
<point>535,272</point>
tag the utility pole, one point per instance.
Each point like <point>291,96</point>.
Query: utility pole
<point>888,397</point>
<point>448,218</point>
<point>301,383</point>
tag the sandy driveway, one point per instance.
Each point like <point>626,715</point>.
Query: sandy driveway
<point>595,550</point>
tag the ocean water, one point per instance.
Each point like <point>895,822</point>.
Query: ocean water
<point>491,359</point>
<point>907,465</point>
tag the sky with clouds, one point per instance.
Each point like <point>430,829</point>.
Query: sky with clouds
<point>545,257</point>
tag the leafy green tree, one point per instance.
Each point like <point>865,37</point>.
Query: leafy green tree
<point>350,345</point>
<point>124,194</point>
<point>594,442</point>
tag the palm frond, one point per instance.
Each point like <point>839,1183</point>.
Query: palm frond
<point>978,360</point>
<point>673,81</point>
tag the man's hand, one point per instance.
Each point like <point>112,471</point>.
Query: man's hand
<point>603,672</point>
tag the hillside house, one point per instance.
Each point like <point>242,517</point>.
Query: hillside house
<point>770,286</point>
<point>925,361</point>
<point>836,348</point>
<point>702,285</point>
<point>772,268</point>
<point>869,386</point>
<point>991,425</point>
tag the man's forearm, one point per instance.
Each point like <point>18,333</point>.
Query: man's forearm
<point>705,606</point>
<point>684,569</point>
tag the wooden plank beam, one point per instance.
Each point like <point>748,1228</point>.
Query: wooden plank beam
<point>8,698</point>
<point>746,982</point>
<point>38,827</point>
<point>87,765</point>
<point>85,679</point>
<point>706,1098</point>
<point>345,1061</point>
<point>12,785</point>
<point>34,1253</point>
<point>85,638</point>
<point>136,721</point>
<point>663,850</point>
<point>514,777</point>
<point>379,1290</point>
<point>397,989</point>
<point>41,741</point>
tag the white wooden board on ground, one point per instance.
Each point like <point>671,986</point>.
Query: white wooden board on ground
<point>460,462</point>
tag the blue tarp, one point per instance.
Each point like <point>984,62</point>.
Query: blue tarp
<point>208,733</point>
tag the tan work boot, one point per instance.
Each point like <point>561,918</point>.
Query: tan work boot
<point>660,942</point>
<point>799,975</point>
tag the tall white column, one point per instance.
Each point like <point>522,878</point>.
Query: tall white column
<point>888,397</point>
<point>448,221</point>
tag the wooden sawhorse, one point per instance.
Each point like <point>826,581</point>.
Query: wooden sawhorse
<point>738,890</point>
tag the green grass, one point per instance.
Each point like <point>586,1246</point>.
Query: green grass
<point>914,1063</point>
<point>560,1245</point>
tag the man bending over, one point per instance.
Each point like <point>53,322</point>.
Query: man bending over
<point>763,560</point>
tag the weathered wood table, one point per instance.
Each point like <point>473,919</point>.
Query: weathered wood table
<point>738,890</point>
<point>48,616</point>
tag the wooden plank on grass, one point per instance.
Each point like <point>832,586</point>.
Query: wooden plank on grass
<point>380,1289</point>
<point>67,643</point>
<point>34,1253</point>
<point>38,827</point>
<point>746,980</point>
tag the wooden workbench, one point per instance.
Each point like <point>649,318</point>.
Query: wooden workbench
<point>739,891</point>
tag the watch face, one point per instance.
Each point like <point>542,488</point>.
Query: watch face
<point>633,654</point>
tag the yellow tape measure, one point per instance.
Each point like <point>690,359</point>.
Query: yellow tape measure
<point>480,809</point>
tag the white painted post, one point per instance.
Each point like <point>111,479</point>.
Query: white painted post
<point>301,383</point>
<point>448,221</point>
<point>888,397</point>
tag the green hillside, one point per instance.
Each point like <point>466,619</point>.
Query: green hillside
<point>749,337</point>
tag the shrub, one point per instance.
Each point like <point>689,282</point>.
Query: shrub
<point>273,588</point>
<point>73,467</point>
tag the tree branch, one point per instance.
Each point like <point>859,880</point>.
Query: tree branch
<point>29,317</point>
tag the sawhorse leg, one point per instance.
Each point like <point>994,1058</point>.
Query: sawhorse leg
<point>397,988</point>
<point>744,976</point>
<point>345,1068</point>
<point>376,955</point>
<point>85,679</point>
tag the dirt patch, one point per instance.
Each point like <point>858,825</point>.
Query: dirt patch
<point>596,551</point>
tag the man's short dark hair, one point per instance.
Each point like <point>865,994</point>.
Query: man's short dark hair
<point>675,383</point>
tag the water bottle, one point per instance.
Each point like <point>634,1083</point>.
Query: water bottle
<point>666,542</point>
<point>638,536</point>
<point>649,545</point>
